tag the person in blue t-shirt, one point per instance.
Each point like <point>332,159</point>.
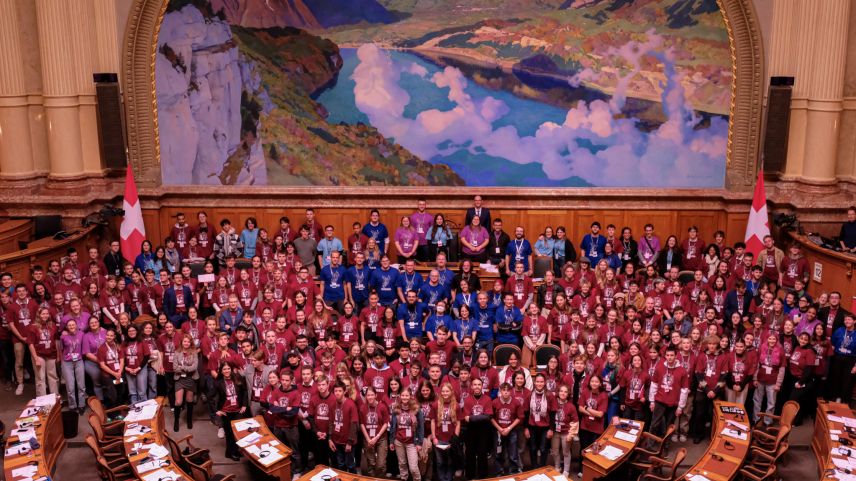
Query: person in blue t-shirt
<point>433,291</point>
<point>333,282</point>
<point>409,280</point>
<point>518,250</point>
<point>327,246</point>
<point>384,280</point>
<point>509,322</point>
<point>446,275</point>
<point>484,314</point>
<point>357,282</point>
<point>465,326</point>
<point>594,244</point>
<point>410,317</point>
<point>440,317</point>
<point>377,231</point>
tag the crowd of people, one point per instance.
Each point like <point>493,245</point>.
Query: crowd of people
<point>375,365</point>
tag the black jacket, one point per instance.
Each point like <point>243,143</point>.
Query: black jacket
<point>240,389</point>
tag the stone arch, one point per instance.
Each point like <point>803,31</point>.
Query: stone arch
<point>744,136</point>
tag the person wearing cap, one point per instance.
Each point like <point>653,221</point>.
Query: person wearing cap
<point>593,244</point>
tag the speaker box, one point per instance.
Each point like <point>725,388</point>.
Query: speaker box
<point>778,124</point>
<point>111,127</point>
<point>46,225</point>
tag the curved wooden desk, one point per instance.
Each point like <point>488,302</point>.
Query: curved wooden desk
<point>264,450</point>
<point>836,269</point>
<point>829,427</point>
<point>595,464</point>
<point>138,446</point>
<point>43,250</point>
<point>547,471</point>
<point>724,454</point>
<point>13,233</point>
<point>44,416</point>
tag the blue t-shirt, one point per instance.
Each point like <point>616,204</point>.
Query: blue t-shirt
<point>509,318</point>
<point>434,321</point>
<point>359,280</point>
<point>593,247</point>
<point>431,295</point>
<point>461,299</point>
<point>378,233</point>
<point>446,278</point>
<point>484,319</point>
<point>412,318</point>
<point>334,283</point>
<point>248,238</point>
<point>384,282</point>
<point>466,328</point>
<point>518,250</point>
<point>410,282</point>
<point>327,247</point>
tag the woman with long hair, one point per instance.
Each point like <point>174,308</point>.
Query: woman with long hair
<point>566,427</point>
<point>445,431</point>
<point>230,395</point>
<point>438,237</point>
<point>42,341</point>
<point>427,402</point>
<point>155,361</point>
<point>73,373</point>
<point>136,371</point>
<point>185,367</point>
<point>406,434</point>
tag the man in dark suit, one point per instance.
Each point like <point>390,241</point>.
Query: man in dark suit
<point>738,300</point>
<point>478,210</point>
<point>177,299</point>
<point>832,316</point>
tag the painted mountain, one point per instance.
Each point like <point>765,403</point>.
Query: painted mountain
<point>542,93</point>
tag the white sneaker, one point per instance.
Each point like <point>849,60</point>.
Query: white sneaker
<point>19,390</point>
<point>295,476</point>
<point>580,474</point>
<point>221,434</point>
<point>674,438</point>
<point>683,438</point>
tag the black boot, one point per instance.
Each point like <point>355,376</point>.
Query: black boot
<point>190,415</point>
<point>176,414</point>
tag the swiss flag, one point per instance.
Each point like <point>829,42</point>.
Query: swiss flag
<point>759,222</point>
<point>132,232</point>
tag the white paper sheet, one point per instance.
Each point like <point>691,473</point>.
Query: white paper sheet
<point>248,440</point>
<point>246,424</point>
<point>625,436</point>
<point>157,451</point>
<point>161,475</point>
<point>697,477</point>
<point>539,477</point>
<point>46,400</point>
<point>840,463</point>
<point>326,473</point>
<point>560,477</point>
<point>731,433</point>
<point>145,413</point>
<point>24,434</point>
<point>27,471</point>
<point>611,453</point>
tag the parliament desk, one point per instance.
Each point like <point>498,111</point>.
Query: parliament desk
<point>726,451</point>
<point>601,458</point>
<point>42,251</point>
<point>833,423</point>
<point>40,420</point>
<point>262,448</point>
<point>13,233</point>
<point>828,270</point>
<point>321,473</point>
<point>147,450</point>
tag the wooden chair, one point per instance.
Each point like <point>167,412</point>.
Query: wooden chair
<point>101,437</point>
<point>107,417</point>
<point>663,470</point>
<point>769,475</point>
<point>501,353</point>
<point>112,459</point>
<point>204,473</point>
<point>758,463</point>
<point>789,412</point>
<point>769,444</point>
<point>117,472</point>
<point>641,457</point>
<point>543,354</point>
<point>190,453</point>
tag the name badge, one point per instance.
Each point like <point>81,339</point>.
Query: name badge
<point>407,432</point>
<point>75,356</point>
<point>768,369</point>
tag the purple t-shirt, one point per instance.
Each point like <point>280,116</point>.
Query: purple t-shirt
<point>82,321</point>
<point>474,237</point>
<point>406,238</point>
<point>72,346</point>
<point>648,248</point>
<point>92,341</point>
<point>421,222</point>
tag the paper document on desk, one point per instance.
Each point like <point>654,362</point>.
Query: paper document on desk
<point>539,477</point>
<point>26,421</point>
<point>246,424</point>
<point>560,477</point>
<point>46,400</point>
<point>731,433</point>
<point>324,473</point>
<point>742,427</point>
<point>27,412</point>
<point>841,463</point>
<point>697,477</point>
<point>24,434</point>
<point>161,475</point>
<point>142,413</point>
<point>148,466</point>
<point>157,451</point>
<point>248,440</point>
<point>630,438</point>
<point>27,471</point>
<point>611,453</point>
<point>850,422</point>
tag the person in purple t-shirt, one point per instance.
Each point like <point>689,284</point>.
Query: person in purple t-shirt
<point>649,247</point>
<point>406,240</point>
<point>71,342</point>
<point>421,220</point>
<point>474,240</point>
<point>92,340</point>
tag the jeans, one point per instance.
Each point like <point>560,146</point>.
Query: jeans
<point>208,389</point>
<point>93,372</point>
<point>538,449</point>
<point>758,397</point>
<point>376,457</point>
<point>508,461</point>
<point>345,459</point>
<point>445,464</point>
<point>408,460</point>
<point>733,396</point>
<point>683,427</point>
<point>480,443</point>
<point>137,385</point>
<point>75,383</point>
<point>152,381</point>
<point>46,372</point>
<point>560,444</point>
<point>662,417</point>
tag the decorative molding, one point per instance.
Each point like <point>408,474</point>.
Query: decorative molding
<point>744,136</point>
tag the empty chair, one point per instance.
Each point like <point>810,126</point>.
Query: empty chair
<point>759,463</point>
<point>663,470</point>
<point>115,472</point>
<point>649,446</point>
<point>110,419</point>
<point>544,353</point>
<point>203,473</point>
<point>101,437</point>
<point>769,475</point>
<point>770,424</point>
<point>542,265</point>
<point>768,443</point>
<point>501,353</point>
<point>190,453</point>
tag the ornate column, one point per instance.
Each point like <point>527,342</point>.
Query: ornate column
<point>83,33</point>
<point>846,168</point>
<point>16,153</point>
<point>60,89</point>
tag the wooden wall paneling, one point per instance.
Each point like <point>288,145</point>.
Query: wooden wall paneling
<point>582,223</point>
<point>663,221</point>
<point>706,221</point>
<point>735,227</point>
<point>151,219</point>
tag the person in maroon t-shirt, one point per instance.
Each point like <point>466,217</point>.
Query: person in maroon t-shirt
<point>445,428</point>
<point>565,428</point>
<point>374,423</point>
<point>231,397</point>
<point>634,384</point>
<point>508,415</point>
<point>42,340</point>
<point>799,382</point>
<point>592,407</point>
<point>343,429</point>
<point>111,358</point>
<point>708,372</point>
<point>320,411</point>
<point>136,353</point>
<point>668,394</point>
<point>478,411</point>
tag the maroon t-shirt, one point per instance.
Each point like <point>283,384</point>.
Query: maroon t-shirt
<point>445,428</point>
<point>344,415</point>
<point>566,413</point>
<point>670,381</point>
<point>44,340</point>
<point>374,417</point>
<point>505,413</point>
<point>321,410</point>
<point>597,402</point>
